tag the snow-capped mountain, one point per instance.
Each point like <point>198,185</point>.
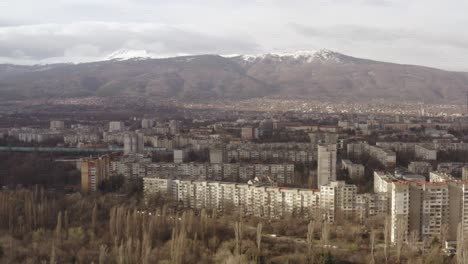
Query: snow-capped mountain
<point>322,74</point>
<point>322,55</point>
<point>127,54</point>
<point>308,56</point>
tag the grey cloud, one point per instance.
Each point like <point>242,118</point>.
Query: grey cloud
<point>43,42</point>
<point>36,31</point>
<point>370,34</point>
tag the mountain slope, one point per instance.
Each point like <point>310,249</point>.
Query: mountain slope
<point>198,77</point>
<point>334,76</point>
<point>322,74</point>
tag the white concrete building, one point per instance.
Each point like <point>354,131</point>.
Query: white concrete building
<point>116,126</point>
<point>180,155</point>
<point>355,171</point>
<point>420,167</point>
<point>465,173</point>
<point>337,199</point>
<point>217,155</point>
<point>147,123</point>
<point>271,202</point>
<point>437,176</point>
<point>382,182</point>
<point>134,143</point>
<point>57,125</point>
<point>427,209</point>
<point>425,152</point>
<point>385,156</point>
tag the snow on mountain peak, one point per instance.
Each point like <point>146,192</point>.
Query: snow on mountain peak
<point>307,56</point>
<point>126,54</point>
<point>302,56</point>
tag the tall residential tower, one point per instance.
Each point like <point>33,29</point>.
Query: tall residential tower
<point>326,171</point>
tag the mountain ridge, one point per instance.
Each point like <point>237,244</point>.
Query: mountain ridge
<point>322,74</point>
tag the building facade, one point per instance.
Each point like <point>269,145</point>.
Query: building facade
<point>93,172</point>
<point>326,168</point>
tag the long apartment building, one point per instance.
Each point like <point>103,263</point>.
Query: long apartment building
<point>261,201</point>
<point>281,174</point>
<point>286,152</point>
<point>426,150</point>
<point>270,202</point>
<point>385,156</point>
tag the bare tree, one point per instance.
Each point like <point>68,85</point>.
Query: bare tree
<point>386,238</point>
<point>460,245</point>
<point>178,243</point>
<point>58,228</point>
<point>401,229</point>
<point>372,246</point>
<point>259,239</point>
<point>238,230</point>
<point>52,255</point>
<point>325,233</point>
<point>102,254</point>
<point>413,238</point>
<point>310,237</point>
<point>94,219</point>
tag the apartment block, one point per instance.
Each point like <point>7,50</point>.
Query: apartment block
<point>57,125</point>
<point>268,152</point>
<point>420,167</point>
<point>438,176</point>
<point>399,210</point>
<point>248,133</point>
<point>465,173</point>
<point>326,167</point>
<point>217,155</point>
<point>371,204</point>
<point>116,126</point>
<point>271,202</point>
<point>425,152</point>
<point>180,155</point>
<point>355,171</point>
<point>134,143</point>
<point>138,166</point>
<point>147,123</point>
<point>135,165</point>
<point>93,172</point>
<point>385,156</point>
<point>382,182</point>
<point>337,199</point>
<point>427,209</point>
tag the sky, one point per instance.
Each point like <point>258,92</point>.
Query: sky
<point>422,32</point>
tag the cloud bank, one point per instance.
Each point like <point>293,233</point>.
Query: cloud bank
<point>425,32</point>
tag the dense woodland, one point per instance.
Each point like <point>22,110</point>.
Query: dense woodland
<point>30,169</point>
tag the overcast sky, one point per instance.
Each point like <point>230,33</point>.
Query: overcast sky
<point>425,32</point>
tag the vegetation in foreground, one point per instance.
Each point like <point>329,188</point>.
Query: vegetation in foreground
<point>37,226</point>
